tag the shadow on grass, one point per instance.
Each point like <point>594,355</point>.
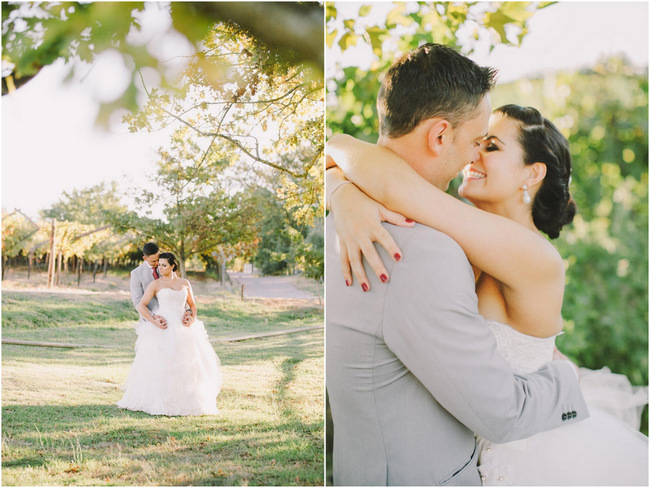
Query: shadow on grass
<point>259,439</point>
<point>275,452</point>
<point>298,347</point>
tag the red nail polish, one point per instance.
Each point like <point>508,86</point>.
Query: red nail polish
<point>409,221</point>
<point>364,287</point>
<point>397,256</point>
<point>347,282</point>
<point>383,278</point>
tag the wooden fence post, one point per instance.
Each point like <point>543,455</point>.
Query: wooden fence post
<point>52,258</point>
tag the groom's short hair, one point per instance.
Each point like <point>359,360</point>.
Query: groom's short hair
<point>431,81</point>
<point>149,249</point>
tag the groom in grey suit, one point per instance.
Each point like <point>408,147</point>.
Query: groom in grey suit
<point>145,274</point>
<point>412,368</point>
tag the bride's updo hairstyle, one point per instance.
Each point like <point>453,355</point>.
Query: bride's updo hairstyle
<point>542,142</point>
<point>171,259</point>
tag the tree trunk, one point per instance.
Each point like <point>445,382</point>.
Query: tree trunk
<point>181,260</point>
<point>52,257</point>
<point>95,266</point>
<point>30,261</point>
<point>181,266</point>
<point>105,266</point>
<point>58,267</point>
<point>79,266</point>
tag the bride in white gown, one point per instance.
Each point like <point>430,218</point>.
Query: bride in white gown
<point>519,185</point>
<point>175,370</point>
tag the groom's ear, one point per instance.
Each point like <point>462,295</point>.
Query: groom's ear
<point>439,132</point>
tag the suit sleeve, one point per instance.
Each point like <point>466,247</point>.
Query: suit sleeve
<point>431,323</point>
<point>137,290</point>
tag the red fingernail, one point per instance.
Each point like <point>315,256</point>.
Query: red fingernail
<point>397,256</point>
<point>364,287</point>
<point>347,282</point>
<point>409,221</point>
<point>383,278</point>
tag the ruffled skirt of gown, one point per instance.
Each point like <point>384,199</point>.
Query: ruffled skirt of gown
<point>175,370</point>
<point>605,449</point>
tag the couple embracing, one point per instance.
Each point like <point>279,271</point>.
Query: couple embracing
<point>441,362</point>
<point>175,370</point>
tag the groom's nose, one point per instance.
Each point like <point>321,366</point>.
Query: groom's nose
<point>476,155</point>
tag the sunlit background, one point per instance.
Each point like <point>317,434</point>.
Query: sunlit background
<point>175,122</point>
<point>51,141</point>
<point>196,125</point>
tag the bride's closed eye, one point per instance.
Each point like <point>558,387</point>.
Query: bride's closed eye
<point>491,146</point>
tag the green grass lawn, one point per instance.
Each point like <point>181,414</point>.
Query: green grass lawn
<point>60,425</point>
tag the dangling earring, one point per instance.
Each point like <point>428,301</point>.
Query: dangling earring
<point>526,195</point>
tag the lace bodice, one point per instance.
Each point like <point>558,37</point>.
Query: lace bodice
<point>525,353</point>
<point>171,303</point>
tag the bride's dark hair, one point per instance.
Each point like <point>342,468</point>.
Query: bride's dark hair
<point>542,142</point>
<point>171,259</point>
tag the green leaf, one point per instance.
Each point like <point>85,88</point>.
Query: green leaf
<point>517,11</point>
<point>497,21</point>
<point>364,10</point>
<point>330,37</point>
<point>376,36</point>
<point>396,16</point>
<point>347,40</point>
<point>330,11</point>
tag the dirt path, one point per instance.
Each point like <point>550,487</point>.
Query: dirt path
<point>112,287</point>
<point>270,287</point>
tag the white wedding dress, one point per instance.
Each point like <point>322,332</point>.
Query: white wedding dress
<point>175,370</point>
<point>601,450</point>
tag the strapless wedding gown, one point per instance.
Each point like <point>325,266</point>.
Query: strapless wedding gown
<point>175,370</point>
<point>601,450</point>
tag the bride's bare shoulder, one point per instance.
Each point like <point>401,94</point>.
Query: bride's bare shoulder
<point>154,285</point>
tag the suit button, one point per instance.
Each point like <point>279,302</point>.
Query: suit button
<point>575,414</point>
<point>563,417</point>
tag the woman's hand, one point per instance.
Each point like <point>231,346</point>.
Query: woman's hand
<point>358,220</point>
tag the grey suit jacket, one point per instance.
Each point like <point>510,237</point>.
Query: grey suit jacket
<point>413,372</point>
<point>140,279</point>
